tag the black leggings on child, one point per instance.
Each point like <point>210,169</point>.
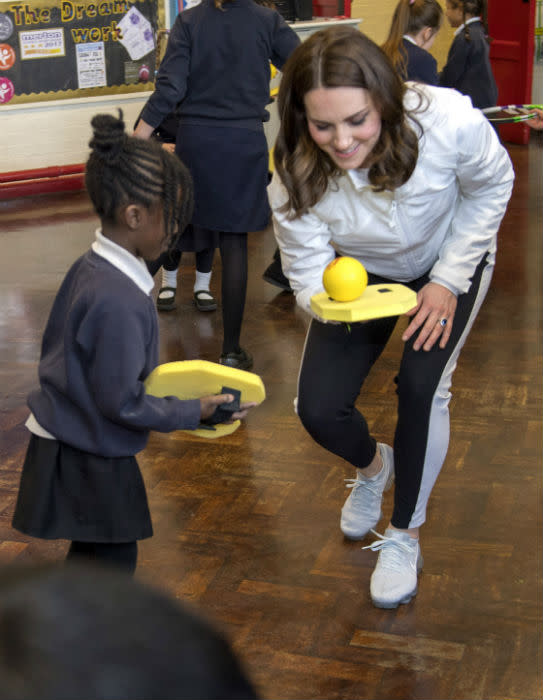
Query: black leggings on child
<point>122,555</point>
<point>233,247</point>
<point>170,261</point>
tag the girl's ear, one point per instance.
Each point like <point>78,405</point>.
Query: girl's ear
<point>132,216</point>
<point>428,33</point>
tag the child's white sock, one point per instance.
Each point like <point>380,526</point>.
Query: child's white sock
<point>201,281</point>
<point>169,278</point>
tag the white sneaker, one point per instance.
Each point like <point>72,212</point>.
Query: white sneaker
<point>362,510</point>
<point>394,579</point>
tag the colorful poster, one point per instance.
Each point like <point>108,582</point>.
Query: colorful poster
<point>42,43</point>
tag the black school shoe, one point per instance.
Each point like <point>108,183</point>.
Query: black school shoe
<point>204,300</point>
<point>239,360</point>
<point>274,275</point>
<point>166,303</point>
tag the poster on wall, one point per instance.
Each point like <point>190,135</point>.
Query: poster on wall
<point>60,49</point>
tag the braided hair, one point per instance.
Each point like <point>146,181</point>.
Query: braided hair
<point>123,169</point>
<point>475,8</point>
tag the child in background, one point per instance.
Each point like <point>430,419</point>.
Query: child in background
<point>91,414</point>
<point>414,27</point>
<point>204,250</point>
<point>468,67</point>
<point>217,70</point>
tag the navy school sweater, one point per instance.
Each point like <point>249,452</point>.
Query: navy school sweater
<point>217,64</point>
<point>468,68</point>
<point>99,345</point>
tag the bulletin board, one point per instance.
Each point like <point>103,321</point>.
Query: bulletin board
<point>63,49</point>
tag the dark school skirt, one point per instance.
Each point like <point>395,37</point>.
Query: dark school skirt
<point>66,493</point>
<point>229,167</point>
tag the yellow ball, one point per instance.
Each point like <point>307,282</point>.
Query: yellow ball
<point>345,279</point>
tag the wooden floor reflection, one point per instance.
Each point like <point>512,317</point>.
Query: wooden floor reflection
<point>247,527</point>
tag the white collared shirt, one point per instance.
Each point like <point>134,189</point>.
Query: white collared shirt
<point>469,21</point>
<point>442,220</point>
<point>119,257</point>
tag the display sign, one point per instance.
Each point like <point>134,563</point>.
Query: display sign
<point>59,49</point>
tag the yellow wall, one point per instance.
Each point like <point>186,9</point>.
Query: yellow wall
<point>376,18</point>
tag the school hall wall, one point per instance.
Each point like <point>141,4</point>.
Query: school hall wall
<point>56,133</point>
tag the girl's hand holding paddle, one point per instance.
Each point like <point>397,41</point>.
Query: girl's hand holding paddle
<point>208,404</point>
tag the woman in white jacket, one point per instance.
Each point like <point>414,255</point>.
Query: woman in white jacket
<point>413,182</point>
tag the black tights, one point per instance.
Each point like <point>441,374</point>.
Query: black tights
<point>123,555</point>
<point>233,247</point>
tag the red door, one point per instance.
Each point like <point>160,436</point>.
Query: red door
<point>511,25</point>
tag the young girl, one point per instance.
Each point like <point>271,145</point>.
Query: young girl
<point>169,262</point>
<point>90,414</point>
<point>412,181</point>
<point>414,27</point>
<point>217,69</point>
<point>468,67</point>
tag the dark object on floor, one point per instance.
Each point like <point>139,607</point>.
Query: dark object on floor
<point>239,360</point>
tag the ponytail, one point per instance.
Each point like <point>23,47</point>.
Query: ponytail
<point>410,16</point>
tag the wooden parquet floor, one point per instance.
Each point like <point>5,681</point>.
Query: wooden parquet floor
<point>247,527</point>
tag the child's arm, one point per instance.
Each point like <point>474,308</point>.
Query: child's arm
<point>115,337</point>
<point>455,67</point>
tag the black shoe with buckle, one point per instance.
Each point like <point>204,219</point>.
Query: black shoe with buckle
<point>204,300</point>
<point>166,303</point>
<point>239,360</point>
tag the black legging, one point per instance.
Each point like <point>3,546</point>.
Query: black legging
<point>337,359</point>
<point>123,555</point>
<point>233,247</point>
<point>171,260</point>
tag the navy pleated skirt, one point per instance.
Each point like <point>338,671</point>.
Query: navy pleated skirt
<point>229,166</point>
<point>66,493</point>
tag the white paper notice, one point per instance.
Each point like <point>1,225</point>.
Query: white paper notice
<point>137,34</point>
<point>91,65</point>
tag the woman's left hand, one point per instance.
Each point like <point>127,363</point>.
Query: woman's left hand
<point>434,315</point>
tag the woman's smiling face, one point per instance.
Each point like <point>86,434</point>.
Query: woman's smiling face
<point>344,123</point>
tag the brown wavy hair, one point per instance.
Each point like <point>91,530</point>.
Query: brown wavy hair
<point>340,57</point>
